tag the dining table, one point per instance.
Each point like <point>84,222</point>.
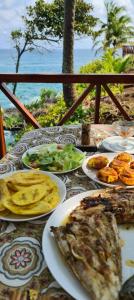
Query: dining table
<point>22,263</point>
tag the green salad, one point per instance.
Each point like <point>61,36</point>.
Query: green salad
<point>54,158</point>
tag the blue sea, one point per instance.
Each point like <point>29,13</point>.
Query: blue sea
<point>35,62</point>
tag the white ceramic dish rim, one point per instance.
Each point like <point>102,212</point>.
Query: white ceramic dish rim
<point>106,144</point>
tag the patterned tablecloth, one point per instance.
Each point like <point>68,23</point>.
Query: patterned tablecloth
<point>22,264</point>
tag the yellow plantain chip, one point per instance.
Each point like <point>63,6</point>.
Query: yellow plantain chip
<point>33,294</point>
<point>53,198</point>
<point>4,193</point>
<point>21,180</point>
<point>30,194</point>
<point>2,208</point>
<point>45,205</point>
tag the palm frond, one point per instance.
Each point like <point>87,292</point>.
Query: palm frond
<point>118,28</point>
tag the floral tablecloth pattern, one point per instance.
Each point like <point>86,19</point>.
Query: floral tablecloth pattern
<point>21,259</point>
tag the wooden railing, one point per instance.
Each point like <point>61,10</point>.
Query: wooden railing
<point>96,81</point>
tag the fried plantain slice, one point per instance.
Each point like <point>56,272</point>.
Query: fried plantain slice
<point>4,193</point>
<point>45,205</point>
<point>20,180</point>
<point>30,194</point>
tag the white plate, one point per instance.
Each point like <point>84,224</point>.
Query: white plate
<point>92,173</point>
<point>37,148</point>
<point>55,261</point>
<point>114,144</point>
<point>19,218</point>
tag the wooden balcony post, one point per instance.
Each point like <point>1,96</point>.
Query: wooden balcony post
<point>2,136</point>
<point>97,103</point>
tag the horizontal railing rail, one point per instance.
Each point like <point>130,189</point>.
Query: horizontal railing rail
<point>67,78</point>
<point>97,81</point>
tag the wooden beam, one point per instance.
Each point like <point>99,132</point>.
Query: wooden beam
<point>2,136</point>
<point>97,104</point>
<point>25,112</point>
<point>76,104</point>
<point>68,78</point>
<point>116,102</point>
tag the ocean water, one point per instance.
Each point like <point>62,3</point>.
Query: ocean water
<point>35,62</point>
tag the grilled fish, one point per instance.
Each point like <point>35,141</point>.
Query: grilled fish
<point>119,201</point>
<point>127,291</point>
<point>90,246</point>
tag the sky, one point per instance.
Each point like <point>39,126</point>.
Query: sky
<point>12,10</point>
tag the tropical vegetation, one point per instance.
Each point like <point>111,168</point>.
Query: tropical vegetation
<point>110,62</point>
<point>50,106</point>
<point>116,30</point>
<point>64,20</point>
<point>47,23</point>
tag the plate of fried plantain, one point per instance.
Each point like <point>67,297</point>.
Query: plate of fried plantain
<point>28,194</point>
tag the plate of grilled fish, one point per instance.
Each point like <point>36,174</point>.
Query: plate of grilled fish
<point>110,169</point>
<point>88,243</point>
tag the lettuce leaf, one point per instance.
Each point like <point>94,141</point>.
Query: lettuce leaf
<point>55,158</point>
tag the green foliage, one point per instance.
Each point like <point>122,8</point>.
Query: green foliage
<point>114,64</point>
<point>130,64</point>
<point>53,114</point>
<point>34,105</point>
<point>12,121</point>
<point>16,35</point>
<point>48,94</point>
<point>56,111</point>
<point>45,22</point>
<point>22,41</point>
<point>117,29</point>
<point>50,118</point>
<point>47,19</point>
<point>109,63</point>
<point>80,115</point>
<point>93,67</point>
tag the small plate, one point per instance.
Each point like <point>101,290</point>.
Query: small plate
<point>20,218</point>
<point>37,148</point>
<point>114,144</point>
<point>92,173</point>
<point>55,262</point>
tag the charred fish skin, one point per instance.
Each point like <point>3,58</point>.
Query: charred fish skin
<point>93,253</point>
<point>127,291</point>
<point>118,200</point>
